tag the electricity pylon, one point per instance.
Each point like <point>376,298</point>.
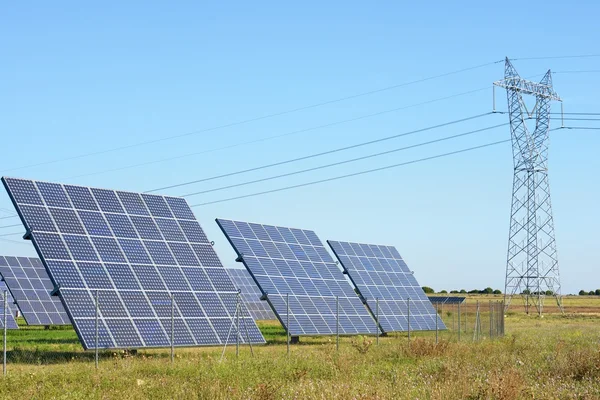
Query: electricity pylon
<point>532,262</point>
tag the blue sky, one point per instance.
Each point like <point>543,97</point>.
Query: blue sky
<point>84,78</point>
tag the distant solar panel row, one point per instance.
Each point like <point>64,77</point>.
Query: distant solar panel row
<point>30,286</point>
<point>251,295</point>
<point>446,299</point>
<point>383,279</point>
<point>135,251</point>
<point>294,262</point>
<point>11,322</point>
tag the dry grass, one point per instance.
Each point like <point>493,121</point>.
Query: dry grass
<point>557,357</point>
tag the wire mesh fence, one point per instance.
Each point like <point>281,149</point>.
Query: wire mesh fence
<point>46,345</point>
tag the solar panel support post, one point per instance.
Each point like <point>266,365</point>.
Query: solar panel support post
<point>377,320</point>
<point>458,319</point>
<point>337,323</point>
<point>172,328</point>
<point>4,337</point>
<point>96,331</point>
<point>287,323</point>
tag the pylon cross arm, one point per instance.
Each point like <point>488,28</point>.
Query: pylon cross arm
<point>528,87</point>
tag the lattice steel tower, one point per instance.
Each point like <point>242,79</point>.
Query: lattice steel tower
<point>532,264</point>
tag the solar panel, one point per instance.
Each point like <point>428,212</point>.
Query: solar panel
<point>30,287</point>
<point>11,322</point>
<point>134,251</point>
<point>294,262</point>
<point>446,299</point>
<point>381,276</point>
<point>251,294</point>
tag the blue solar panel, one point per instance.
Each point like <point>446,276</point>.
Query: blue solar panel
<point>294,262</point>
<point>30,287</point>
<point>446,299</point>
<point>11,322</point>
<point>259,309</point>
<point>380,273</point>
<point>135,251</point>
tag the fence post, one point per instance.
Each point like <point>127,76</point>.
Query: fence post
<point>5,332</point>
<point>458,318</point>
<point>408,318</point>
<point>237,325</point>
<point>436,323</point>
<point>337,323</point>
<point>377,319</point>
<point>172,328</point>
<point>96,330</point>
<point>287,323</point>
<point>491,321</point>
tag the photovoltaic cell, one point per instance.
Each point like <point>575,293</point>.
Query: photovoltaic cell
<point>382,277</point>
<point>30,287</point>
<point>135,252</point>
<point>251,294</point>
<point>294,262</point>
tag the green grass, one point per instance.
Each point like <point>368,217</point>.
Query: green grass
<point>553,357</point>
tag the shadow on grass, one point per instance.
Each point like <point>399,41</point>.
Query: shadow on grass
<point>49,357</point>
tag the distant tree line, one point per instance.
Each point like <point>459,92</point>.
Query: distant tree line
<point>590,293</point>
<point>487,290</point>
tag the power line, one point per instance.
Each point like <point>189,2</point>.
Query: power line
<point>321,153</point>
<point>254,119</point>
<point>345,161</point>
<point>10,216</point>
<point>267,138</point>
<point>10,226</point>
<point>353,174</point>
<point>555,57</point>
<point>581,127</point>
<point>12,234</point>
<point>589,71</point>
<point>368,171</point>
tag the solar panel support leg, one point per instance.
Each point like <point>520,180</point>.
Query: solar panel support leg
<point>172,328</point>
<point>4,338</point>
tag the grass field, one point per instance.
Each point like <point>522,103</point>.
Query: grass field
<point>555,357</point>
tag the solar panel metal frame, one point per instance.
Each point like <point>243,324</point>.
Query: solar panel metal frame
<point>446,299</point>
<point>11,321</point>
<point>396,319</point>
<point>251,294</point>
<point>277,300</point>
<point>24,275</point>
<point>102,201</point>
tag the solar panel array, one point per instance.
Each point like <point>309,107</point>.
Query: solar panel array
<point>294,262</point>
<point>134,251</point>
<point>380,273</point>
<point>446,299</point>
<point>11,322</point>
<point>251,294</point>
<point>30,287</point>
